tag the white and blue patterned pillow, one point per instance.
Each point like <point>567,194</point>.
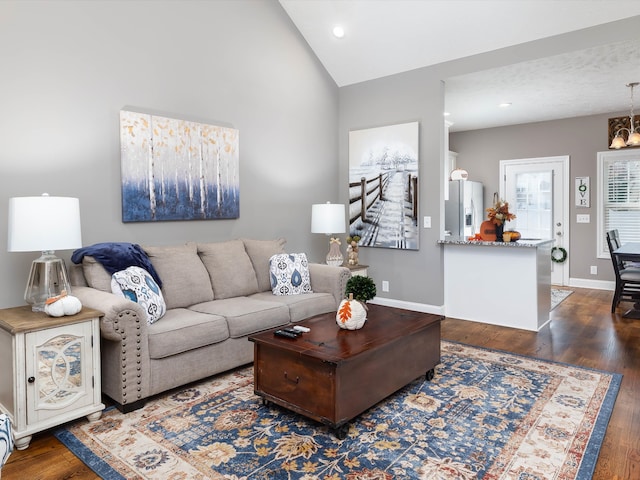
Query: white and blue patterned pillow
<point>289,274</point>
<point>138,285</point>
<point>6,439</point>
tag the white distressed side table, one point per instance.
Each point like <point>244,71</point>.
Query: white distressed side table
<point>49,369</point>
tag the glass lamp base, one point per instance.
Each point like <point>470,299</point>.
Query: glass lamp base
<point>48,278</point>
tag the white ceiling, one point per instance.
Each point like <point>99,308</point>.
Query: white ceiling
<point>384,37</point>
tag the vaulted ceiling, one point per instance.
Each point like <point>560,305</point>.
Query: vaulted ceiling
<point>384,37</point>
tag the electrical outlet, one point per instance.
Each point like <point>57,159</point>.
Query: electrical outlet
<point>426,222</point>
<point>594,270</point>
<point>583,218</point>
<point>385,286</point>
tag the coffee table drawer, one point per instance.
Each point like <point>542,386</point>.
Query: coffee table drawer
<point>296,382</point>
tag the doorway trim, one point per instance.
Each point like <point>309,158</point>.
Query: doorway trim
<point>565,190</point>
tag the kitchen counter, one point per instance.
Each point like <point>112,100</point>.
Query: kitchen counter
<point>499,283</point>
<point>522,243</point>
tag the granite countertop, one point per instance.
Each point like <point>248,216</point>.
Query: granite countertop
<point>522,243</point>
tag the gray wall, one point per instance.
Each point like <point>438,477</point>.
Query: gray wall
<point>413,275</point>
<point>480,152</point>
<point>68,67</point>
<point>417,95</point>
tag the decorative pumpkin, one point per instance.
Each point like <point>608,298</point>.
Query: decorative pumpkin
<point>62,305</point>
<point>351,314</point>
<point>515,236</point>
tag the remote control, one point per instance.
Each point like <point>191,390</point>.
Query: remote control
<point>300,328</point>
<point>292,330</point>
<point>283,333</point>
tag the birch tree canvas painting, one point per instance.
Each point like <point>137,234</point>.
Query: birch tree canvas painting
<point>177,170</point>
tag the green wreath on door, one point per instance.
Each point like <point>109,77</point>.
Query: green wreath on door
<point>558,255</point>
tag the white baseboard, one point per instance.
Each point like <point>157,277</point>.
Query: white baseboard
<point>439,310</point>
<point>416,307</point>
<point>595,284</point>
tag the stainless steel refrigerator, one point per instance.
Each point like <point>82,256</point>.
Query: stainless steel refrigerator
<point>464,211</point>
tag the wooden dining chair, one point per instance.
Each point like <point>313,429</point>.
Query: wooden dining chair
<point>627,278</point>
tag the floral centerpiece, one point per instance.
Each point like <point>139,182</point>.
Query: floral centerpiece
<point>498,215</point>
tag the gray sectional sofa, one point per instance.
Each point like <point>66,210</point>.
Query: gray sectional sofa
<point>216,295</point>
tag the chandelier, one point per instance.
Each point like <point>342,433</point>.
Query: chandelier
<point>633,139</point>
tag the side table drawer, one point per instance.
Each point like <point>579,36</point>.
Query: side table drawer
<point>299,383</point>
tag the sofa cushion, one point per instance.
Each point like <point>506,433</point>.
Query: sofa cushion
<point>246,315</point>
<point>230,269</point>
<point>260,251</point>
<point>185,281</point>
<point>301,306</point>
<point>289,274</point>
<point>181,330</point>
<point>95,274</point>
<point>138,285</point>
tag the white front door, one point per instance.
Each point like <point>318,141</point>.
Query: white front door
<point>537,190</point>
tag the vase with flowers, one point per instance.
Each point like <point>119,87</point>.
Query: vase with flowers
<point>498,215</point>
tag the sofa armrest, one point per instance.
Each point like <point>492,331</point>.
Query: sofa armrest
<point>328,279</point>
<point>114,308</point>
<point>124,347</point>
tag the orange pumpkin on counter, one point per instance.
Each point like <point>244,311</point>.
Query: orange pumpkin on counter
<point>515,236</point>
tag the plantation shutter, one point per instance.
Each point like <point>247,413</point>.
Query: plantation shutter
<point>622,198</point>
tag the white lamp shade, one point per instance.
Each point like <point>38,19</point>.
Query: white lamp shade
<point>327,218</point>
<point>44,223</point>
<point>459,174</point>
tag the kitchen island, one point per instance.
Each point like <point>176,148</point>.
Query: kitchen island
<point>499,283</point>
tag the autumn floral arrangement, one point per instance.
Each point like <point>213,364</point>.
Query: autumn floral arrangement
<point>499,213</point>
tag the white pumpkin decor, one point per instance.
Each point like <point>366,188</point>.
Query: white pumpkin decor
<point>62,305</point>
<point>351,314</point>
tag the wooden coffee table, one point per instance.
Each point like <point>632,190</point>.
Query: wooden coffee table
<point>332,375</point>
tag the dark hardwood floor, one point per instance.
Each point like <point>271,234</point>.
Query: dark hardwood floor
<point>583,331</point>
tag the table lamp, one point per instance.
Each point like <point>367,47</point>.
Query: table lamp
<point>329,218</point>
<point>44,224</point>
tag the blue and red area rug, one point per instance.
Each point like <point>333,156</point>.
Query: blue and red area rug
<point>486,414</point>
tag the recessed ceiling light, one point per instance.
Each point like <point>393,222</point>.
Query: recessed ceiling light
<point>446,114</point>
<point>505,105</point>
<point>338,31</point>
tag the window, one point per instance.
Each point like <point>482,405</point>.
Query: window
<point>618,197</point>
<point>533,209</point>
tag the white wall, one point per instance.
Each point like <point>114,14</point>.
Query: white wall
<point>68,67</point>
